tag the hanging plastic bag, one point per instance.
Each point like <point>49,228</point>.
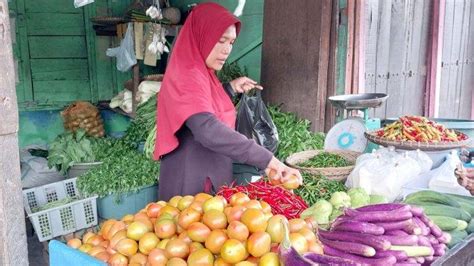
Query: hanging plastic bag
<point>254,121</point>
<point>80,3</point>
<point>125,53</point>
<point>443,178</point>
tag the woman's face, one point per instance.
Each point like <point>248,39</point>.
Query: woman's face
<point>218,55</point>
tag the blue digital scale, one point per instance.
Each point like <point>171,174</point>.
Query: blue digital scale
<point>348,133</point>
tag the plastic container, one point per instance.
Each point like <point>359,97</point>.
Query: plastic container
<point>60,255</point>
<point>79,169</point>
<point>116,206</point>
<point>61,220</point>
<point>459,255</point>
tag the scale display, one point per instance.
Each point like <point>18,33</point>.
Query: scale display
<point>347,135</point>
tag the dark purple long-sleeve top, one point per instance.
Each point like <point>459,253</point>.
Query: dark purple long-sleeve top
<point>206,148</point>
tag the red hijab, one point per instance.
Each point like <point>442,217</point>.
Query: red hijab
<point>189,87</point>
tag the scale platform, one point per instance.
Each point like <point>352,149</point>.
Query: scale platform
<point>348,134</point>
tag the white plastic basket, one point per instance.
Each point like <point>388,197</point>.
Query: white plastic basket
<point>61,220</point>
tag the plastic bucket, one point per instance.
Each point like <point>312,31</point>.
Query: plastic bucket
<point>115,206</point>
<point>79,169</point>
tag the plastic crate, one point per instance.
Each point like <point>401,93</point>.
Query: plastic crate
<point>61,220</point>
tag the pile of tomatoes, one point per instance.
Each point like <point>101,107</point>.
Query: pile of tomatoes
<point>197,230</point>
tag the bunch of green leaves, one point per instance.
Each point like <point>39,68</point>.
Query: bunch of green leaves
<point>142,124</point>
<point>70,148</point>
<point>325,159</point>
<point>230,72</point>
<point>294,133</point>
<point>125,170</point>
<point>318,187</point>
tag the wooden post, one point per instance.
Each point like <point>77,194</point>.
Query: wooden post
<point>136,82</point>
<point>433,78</point>
<point>13,248</point>
<point>295,57</point>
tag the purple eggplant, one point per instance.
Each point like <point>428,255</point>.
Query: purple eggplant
<point>288,255</point>
<point>367,239</point>
<point>426,220</point>
<point>445,238</point>
<point>398,254</point>
<point>329,260</point>
<point>413,229</point>
<point>358,227</point>
<point>351,247</point>
<point>439,250</point>
<point>385,207</point>
<point>406,264</point>
<point>424,241</point>
<point>425,230</point>
<point>398,225</point>
<point>390,260</point>
<point>429,259</point>
<point>417,211</point>
<point>401,240</point>
<point>396,233</point>
<point>433,240</point>
<point>420,260</point>
<point>436,231</point>
<point>411,260</point>
<point>378,216</point>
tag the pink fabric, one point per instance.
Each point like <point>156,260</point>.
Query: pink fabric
<point>189,87</point>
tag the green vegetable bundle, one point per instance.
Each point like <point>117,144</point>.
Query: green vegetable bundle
<point>142,124</point>
<point>125,170</point>
<point>315,188</point>
<point>70,148</point>
<point>294,133</point>
<point>324,160</point>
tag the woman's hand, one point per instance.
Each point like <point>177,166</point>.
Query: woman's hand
<point>283,172</point>
<point>244,84</point>
<point>465,178</point>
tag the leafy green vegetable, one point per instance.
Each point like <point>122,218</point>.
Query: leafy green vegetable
<point>124,170</point>
<point>230,72</point>
<point>318,187</point>
<point>325,159</point>
<point>359,197</point>
<point>294,133</point>
<point>54,204</point>
<point>322,209</point>
<point>142,124</point>
<point>70,148</point>
<point>340,199</point>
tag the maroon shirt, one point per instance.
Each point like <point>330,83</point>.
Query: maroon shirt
<point>207,148</point>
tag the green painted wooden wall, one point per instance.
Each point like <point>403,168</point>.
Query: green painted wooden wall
<point>247,50</point>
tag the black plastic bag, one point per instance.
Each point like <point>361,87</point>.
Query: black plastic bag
<point>254,121</point>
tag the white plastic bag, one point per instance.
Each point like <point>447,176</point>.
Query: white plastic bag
<point>80,3</point>
<point>125,53</point>
<point>35,171</point>
<point>423,160</point>
<point>384,173</point>
<point>443,178</point>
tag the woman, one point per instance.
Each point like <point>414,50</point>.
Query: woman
<point>196,140</point>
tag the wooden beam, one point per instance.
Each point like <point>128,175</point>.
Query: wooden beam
<point>433,78</point>
<point>350,46</point>
<point>358,76</point>
<point>13,247</point>
<point>330,114</point>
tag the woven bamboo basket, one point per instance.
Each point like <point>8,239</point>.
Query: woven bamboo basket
<point>333,173</point>
<point>154,77</point>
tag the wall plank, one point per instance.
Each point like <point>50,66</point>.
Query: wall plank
<point>62,90</point>
<point>59,69</point>
<point>57,47</point>
<point>54,24</point>
<point>51,6</point>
